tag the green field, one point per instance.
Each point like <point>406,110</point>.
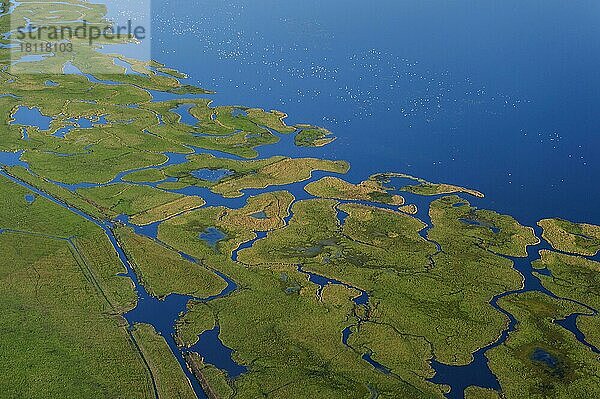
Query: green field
<point>63,335</point>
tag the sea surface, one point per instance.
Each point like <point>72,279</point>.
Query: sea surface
<point>498,96</point>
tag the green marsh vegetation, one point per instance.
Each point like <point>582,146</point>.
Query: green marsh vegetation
<point>199,319</point>
<point>541,359</point>
<point>74,347</point>
<point>575,238</point>
<point>445,293</point>
<point>62,297</point>
<point>270,320</point>
<point>411,209</point>
<point>167,210</point>
<point>474,392</point>
<point>65,297</point>
<point>429,291</point>
<point>97,167</point>
<point>220,128</point>
<point>424,187</point>
<point>128,199</point>
<point>438,188</point>
<point>264,212</point>
<point>493,232</point>
<point>274,171</point>
<point>213,380</point>
<point>381,252</point>
<point>370,190</point>
<point>183,172</point>
<point>312,136</point>
<point>170,379</point>
<point>163,271</point>
<point>273,120</point>
<point>71,198</point>
<point>572,277</point>
<point>145,176</point>
<point>577,278</point>
<point>138,131</point>
<point>376,250</point>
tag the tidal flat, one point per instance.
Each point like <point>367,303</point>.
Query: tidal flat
<point>157,252</point>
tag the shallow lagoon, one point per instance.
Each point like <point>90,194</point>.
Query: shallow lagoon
<point>31,117</point>
<point>212,236</point>
<point>214,352</point>
<point>212,175</point>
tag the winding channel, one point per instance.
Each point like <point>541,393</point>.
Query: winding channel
<point>163,313</point>
<point>478,371</point>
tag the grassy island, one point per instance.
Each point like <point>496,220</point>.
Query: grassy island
<point>335,188</point>
<point>424,187</point>
<point>312,136</point>
<point>576,238</point>
<point>275,171</point>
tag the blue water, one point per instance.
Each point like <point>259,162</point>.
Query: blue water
<point>212,175</point>
<point>498,96</point>
<point>540,355</point>
<point>11,7</point>
<point>80,123</point>
<point>248,244</point>
<point>322,282</point>
<point>63,131</point>
<point>262,215</point>
<point>28,58</point>
<point>212,236</point>
<point>369,359</point>
<point>171,158</point>
<point>183,111</point>
<point>165,96</point>
<point>31,117</point>
<point>212,350</point>
<point>346,335</point>
<point>476,373</point>
<point>126,65</point>
<point>570,323</point>
<point>342,216</point>
<point>161,313</point>
<point>84,123</point>
<point>150,230</point>
<point>238,112</point>
<point>471,222</point>
<point>12,159</point>
<point>89,122</point>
